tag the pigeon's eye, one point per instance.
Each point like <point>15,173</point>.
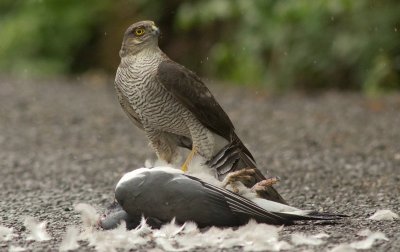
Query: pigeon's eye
<point>139,31</point>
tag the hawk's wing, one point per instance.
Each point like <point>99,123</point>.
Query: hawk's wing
<point>191,92</point>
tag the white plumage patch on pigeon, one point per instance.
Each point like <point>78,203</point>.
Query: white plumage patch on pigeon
<point>37,229</point>
<point>199,169</point>
<point>70,240</point>
<point>6,233</point>
<point>303,239</point>
<point>150,163</point>
<point>137,172</point>
<point>384,214</point>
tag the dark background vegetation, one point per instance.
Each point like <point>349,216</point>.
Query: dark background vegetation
<point>280,45</point>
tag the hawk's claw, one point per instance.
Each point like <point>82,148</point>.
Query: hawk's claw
<point>185,166</point>
<point>238,176</point>
<point>264,184</point>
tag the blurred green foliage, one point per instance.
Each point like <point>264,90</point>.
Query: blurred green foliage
<point>44,36</point>
<point>300,43</point>
<point>304,44</point>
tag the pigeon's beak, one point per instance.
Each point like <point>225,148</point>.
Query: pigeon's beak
<point>155,30</point>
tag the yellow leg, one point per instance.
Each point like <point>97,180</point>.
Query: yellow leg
<point>185,165</point>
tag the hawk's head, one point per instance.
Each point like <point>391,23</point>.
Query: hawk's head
<point>140,35</point>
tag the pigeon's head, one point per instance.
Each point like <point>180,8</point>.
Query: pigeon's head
<point>139,36</point>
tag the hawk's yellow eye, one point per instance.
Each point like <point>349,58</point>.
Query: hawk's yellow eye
<point>139,31</point>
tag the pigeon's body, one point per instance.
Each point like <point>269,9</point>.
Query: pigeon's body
<point>174,108</point>
<point>164,193</point>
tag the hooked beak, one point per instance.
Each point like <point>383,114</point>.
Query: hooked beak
<point>155,30</point>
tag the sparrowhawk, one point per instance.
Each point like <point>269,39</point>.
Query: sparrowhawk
<point>175,108</point>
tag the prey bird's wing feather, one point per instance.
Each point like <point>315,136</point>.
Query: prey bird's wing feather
<point>190,91</point>
<point>269,212</point>
<point>243,206</point>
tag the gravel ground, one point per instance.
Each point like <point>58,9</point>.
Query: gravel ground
<point>68,141</point>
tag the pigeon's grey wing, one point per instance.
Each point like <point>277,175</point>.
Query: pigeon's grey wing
<point>190,91</point>
<point>242,206</point>
<point>165,196</point>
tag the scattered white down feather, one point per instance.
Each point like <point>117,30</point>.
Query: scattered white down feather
<point>251,237</point>
<point>119,239</point>
<point>384,214</point>
<point>368,242</point>
<point>16,249</point>
<point>169,230</point>
<point>37,229</point>
<point>70,240</point>
<point>173,237</point>
<point>342,248</point>
<point>111,240</point>
<point>88,213</point>
<point>6,233</point>
<point>303,239</point>
<point>259,237</point>
<point>89,217</point>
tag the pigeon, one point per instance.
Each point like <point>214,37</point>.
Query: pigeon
<point>161,194</point>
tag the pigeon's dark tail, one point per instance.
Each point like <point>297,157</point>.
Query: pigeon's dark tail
<point>311,216</point>
<point>234,157</point>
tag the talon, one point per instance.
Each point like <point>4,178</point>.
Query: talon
<point>235,189</point>
<point>238,176</point>
<point>185,165</point>
<point>264,184</point>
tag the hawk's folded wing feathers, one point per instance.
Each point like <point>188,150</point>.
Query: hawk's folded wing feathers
<point>190,91</point>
